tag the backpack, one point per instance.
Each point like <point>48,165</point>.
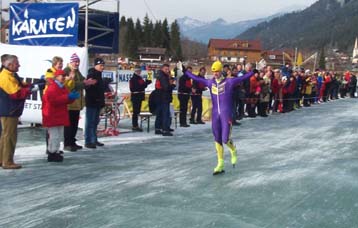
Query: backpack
<point>152,103</point>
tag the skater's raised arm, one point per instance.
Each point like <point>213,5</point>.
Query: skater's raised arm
<point>196,78</point>
<point>242,78</point>
<point>248,75</point>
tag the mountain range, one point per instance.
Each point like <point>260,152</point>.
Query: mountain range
<point>325,23</point>
<point>203,31</point>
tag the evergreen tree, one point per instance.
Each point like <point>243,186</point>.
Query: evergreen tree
<point>157,34</point>
<point>131,45</point>
<point>122,34</point>
<point>166,36</point>
<point>175,43</point>
<point>139,32</point>
<point>322,60</point>
<point>148,32</point>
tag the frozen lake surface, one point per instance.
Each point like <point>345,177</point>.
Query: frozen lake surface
<point>298,169</point>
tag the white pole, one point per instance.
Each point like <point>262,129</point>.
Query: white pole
<point>283,58</point>
<point>118,8</point>
<point>0,21</point>
<point>119,18</point>
<point>86,25</point>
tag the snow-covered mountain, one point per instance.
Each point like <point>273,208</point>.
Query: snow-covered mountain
<point>187,23</point>
<point>203,31</point>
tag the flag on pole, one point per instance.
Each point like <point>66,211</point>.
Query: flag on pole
<point>299,59</point>
<point>312,57</point>
<point>285,55</point>
<point>260,65</point>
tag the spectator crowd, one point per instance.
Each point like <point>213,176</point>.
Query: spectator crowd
<point>66,92</point>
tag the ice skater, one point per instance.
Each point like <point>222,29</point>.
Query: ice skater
<point>221,90</point>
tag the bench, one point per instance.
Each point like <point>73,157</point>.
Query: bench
<point>145,116</point>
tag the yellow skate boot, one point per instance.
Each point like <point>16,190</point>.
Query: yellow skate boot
<point>219,169</point>
<point>233,153</point>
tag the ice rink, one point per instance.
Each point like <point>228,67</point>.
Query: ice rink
<point>297,169</point>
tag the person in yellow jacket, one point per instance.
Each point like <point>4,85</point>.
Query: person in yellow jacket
<point>57,64</point>
<point>308,89</point>
<point>13,93</point>
<point>78,83</point>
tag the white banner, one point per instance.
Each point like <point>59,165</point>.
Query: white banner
<point>125,75</point>
<point>34,61</point>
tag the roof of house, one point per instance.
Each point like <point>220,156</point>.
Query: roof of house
<point>151,50</point>
<point>235,44</point>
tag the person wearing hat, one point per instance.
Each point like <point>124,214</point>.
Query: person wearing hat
<point>221,90</point>
<point>94,103</point>
<point>54,113</point>
<point>137,87</point>
<point>78,84</point>
<point>57,64</point>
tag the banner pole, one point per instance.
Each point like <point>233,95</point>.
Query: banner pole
<point>0,21</point>
<point>86,26</point>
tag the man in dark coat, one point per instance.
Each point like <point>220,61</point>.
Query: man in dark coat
<point>196,99</point>
<point>164,86</point>
<point>94,103</point>
<point>184,91</point>
<point>137,87</point>
<point>353,86</point>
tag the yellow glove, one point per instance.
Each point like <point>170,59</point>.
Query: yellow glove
<point>150,75</point>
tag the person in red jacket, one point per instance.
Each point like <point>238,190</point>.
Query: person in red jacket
<point>325,86</point>
<point>55,114</point>
<point>276,87</point>
<point>255,90</point>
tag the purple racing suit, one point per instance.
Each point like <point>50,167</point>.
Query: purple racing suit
<point>222,99</point>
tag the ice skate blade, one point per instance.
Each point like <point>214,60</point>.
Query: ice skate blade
<point>218,172</point>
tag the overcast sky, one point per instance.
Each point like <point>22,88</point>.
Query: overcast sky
<point>205,10</point>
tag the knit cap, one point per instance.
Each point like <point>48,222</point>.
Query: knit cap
<point>98,61</point>
<point>74,58</point>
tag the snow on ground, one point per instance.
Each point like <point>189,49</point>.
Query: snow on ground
<point>296,169</point>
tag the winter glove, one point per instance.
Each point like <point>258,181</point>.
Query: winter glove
<point>34,87</point>
<point>73,95</point>
<point>150,75</point>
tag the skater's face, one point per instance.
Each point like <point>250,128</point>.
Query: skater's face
<point>217,74</point>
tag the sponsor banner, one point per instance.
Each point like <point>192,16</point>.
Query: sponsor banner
<point>111,75</point>
<point>34,61</point>
<point>125,75</point>
<point>45,24</point>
